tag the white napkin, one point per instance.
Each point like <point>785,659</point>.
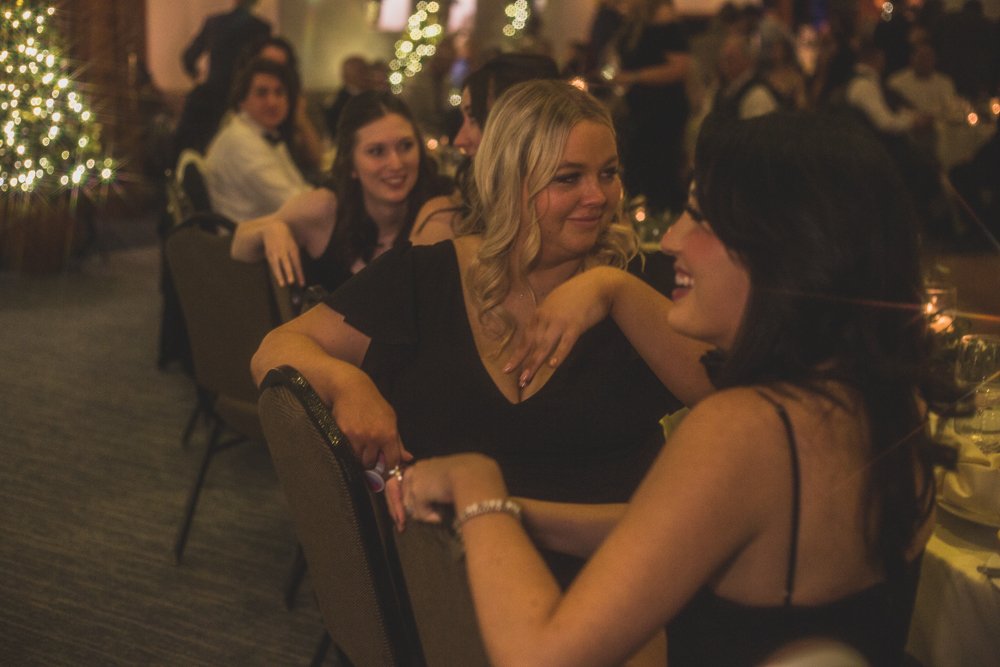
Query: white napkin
<point>972,490</point>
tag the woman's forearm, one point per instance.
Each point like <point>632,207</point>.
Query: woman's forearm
<point>571,528</point>
<point>248,239</point>
<point>642,314</point>
<point>320,345</point>
<point>327,375</point>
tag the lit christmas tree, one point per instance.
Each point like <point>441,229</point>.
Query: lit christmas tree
<point>417,43</point>
<point>49,139</point>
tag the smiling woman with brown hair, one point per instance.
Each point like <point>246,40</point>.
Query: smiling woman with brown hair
<point>380,178</point>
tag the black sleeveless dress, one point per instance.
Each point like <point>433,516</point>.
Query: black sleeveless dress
<point>712,630</point>
<point>588,436</point>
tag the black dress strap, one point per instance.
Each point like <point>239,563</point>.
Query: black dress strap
<point>793,547</point>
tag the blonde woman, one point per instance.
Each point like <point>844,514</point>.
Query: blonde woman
<point>410,352</point>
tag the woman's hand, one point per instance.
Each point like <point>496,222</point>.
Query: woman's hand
<point>369,422</point>
<point>283,254</point>
<point>560,320</point>
<point>419,490</point>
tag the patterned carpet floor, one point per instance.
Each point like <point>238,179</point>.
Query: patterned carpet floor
<point>93,480</point>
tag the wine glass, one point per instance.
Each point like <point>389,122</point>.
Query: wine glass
<point>977,370</point>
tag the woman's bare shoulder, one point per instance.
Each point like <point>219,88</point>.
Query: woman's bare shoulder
<point>739,420</point>
<point>436,221</point>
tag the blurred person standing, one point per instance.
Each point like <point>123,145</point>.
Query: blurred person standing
<point>427,93</point>
<point>224,38</point>
<point>927,90</point>
<point>355,77</point>
<point>655,60</point>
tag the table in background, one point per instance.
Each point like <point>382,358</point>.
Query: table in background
<point>956,619</point>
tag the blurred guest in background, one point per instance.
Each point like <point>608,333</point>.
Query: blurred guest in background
<point>249,169</point>
<point>968,50</point>
<point>743,92</point>
<point>439,216</point>
<point>653,47</point>
<point>298,130</point>
<point>925,88</point>
<point>866,94</point>
<point>355,77</point>
<point>224,37</point>
<point>427,92</point>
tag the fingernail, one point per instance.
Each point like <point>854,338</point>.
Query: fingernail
<point>508,368</point>
<point>553,361</point>
<point>523,380</point>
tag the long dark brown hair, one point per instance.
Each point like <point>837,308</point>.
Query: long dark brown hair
<point>815,210</point>
<point>355,235</point>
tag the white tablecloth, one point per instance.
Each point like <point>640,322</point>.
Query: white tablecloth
<point>956,619</point>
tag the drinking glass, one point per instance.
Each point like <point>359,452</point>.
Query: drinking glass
<point>977,371</point>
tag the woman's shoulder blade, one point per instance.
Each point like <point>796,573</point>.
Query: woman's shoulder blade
<point>736,416</point>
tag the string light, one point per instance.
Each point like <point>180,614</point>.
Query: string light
<point>517,14</point>
<point>423,32</point>
<point>49,139</point>
<point>418,42</point>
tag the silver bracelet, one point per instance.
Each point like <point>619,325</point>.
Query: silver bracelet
<point>491,506</point>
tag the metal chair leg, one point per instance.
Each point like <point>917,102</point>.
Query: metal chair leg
<point>319,655</point>
<point>197,412</point>
<point>192,502</point>
<point>295,576</point>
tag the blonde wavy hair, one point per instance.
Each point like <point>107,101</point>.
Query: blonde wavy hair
<point>519,156</point>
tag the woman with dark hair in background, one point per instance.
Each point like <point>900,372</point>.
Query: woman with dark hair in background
<point>794,502</point>
<point>380,178</point>
<point>481,89</point>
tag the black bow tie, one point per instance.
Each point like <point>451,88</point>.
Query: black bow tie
<point>273,138</point>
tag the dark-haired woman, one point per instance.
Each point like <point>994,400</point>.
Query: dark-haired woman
<point>380,178</point>
<point>439,217</point>
<point>792,503</point>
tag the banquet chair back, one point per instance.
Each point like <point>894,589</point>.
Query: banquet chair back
<point>191,178</point>
<point>433,565</point>
<point>228,307</point>
<point>186,190</point>
<point>355,577</point>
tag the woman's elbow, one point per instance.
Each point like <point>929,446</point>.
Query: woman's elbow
<point>264,358</point>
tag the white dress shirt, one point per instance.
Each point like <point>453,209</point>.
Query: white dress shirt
<point>247,175</point>
<point>934,94</point>
<point>865,93</point>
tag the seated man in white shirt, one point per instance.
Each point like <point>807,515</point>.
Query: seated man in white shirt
<point>925,88</point>
<point>249,171</point>
<point>865,93</point>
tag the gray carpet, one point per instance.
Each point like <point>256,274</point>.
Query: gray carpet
<point>92,485</point>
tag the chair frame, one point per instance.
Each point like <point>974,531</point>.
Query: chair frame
<point>398,632</point>
<point>218,392</point>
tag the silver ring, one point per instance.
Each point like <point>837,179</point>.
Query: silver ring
<point>397,472</point>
